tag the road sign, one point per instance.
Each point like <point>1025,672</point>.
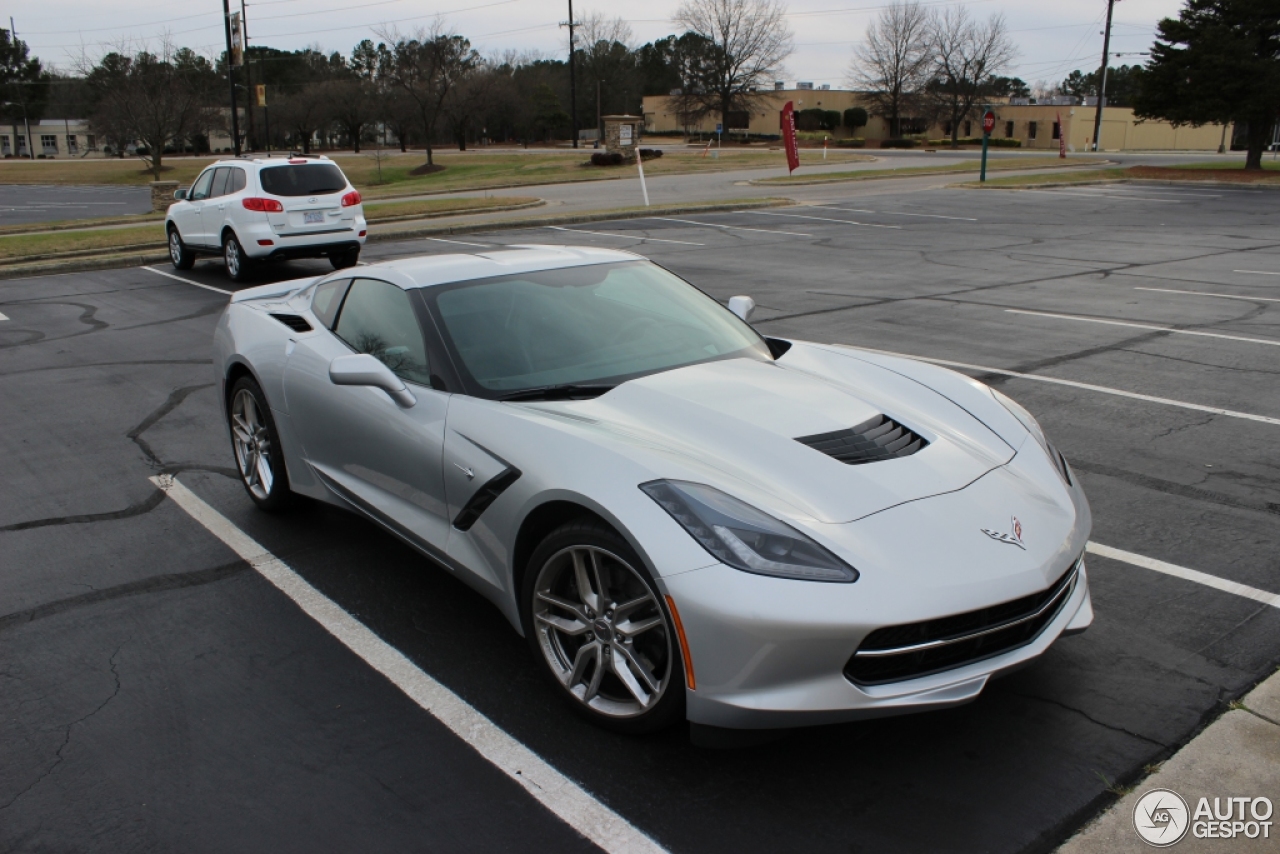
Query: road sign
<point>988,121</point>
<point>719,128</point>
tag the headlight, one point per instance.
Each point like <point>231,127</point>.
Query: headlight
<point>742,537</point>
<point>1033,427</point>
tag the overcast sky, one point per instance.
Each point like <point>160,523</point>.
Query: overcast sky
<point>1053,36</point>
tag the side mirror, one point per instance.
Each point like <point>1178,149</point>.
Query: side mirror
<point>179,195</point>
<point>744,307</point>
<point>363,369</point>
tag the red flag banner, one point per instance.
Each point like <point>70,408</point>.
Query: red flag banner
<point>789,136</point>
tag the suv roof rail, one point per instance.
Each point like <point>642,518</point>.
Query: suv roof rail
<point>264,155</point>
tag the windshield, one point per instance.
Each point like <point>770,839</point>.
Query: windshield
<point>597,325</point>
<point>313,179</point>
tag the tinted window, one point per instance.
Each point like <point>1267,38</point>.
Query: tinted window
<point>237,181</point>
<point>597,324</point>
<point>219,183</point>
<point>377,318</point>
<point>200,189</point>
<point>313,179</point>
<point>326,299</point>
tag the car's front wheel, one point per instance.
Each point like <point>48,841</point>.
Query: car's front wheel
<point>599,627</point>
<point>256,444</point>
<point>239,265</point>
<point>179,253</point>
<point>343,260</point>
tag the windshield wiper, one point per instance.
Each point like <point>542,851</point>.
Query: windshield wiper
<point>557,392</point>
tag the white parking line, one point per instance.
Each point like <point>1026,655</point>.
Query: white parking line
<point>1097,196</point>
<point>623,236</point>
<point>823,219</point>
<point>186,281</point>
<point>898,213</point>
<point>461,242</point>
<point>1257,272</point>
<point>1207,294</point>
<point>1204,578</point>
<point>552,789</point>
<point>1144,326</point>
<point>1164,194</point>
<point>1133,395</point>
<point>734,227</point>
<point>3,317</point>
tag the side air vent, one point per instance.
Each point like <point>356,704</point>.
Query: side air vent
<point>878,438</point>
<point>294,322</point>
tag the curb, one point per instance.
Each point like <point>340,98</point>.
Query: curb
<point>134,256</point>
<point>1156,182</point>
<point>874,175</point>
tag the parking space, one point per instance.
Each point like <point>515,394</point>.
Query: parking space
<point>23,204</point>
<point>170,697</point>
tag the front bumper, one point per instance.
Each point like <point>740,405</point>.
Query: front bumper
<point>771,653</point>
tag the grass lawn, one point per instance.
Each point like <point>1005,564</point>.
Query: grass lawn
<point>1187,172</point>
<point>463,171</point>
<point>1000,165</point>
<point>69,241</point>
<point>1267,164</point>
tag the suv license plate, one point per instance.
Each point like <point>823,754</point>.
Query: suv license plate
<point>312,216</point>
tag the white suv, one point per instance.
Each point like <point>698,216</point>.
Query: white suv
<point>259,209</point>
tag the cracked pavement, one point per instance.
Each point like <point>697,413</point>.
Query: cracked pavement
<point>158,696</point>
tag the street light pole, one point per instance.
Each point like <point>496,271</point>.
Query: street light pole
<point>231,79</point>
<point>573,81</point>
<point>1102,78</point>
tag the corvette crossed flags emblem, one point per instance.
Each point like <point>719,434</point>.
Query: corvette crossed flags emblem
<point>1013,539</point>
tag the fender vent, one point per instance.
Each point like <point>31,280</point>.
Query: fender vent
<point>294,322</point>
<point>878,438</point>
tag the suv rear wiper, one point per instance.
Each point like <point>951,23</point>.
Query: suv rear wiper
<point>557,392</point>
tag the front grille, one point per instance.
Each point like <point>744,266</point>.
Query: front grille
<point>877,438</point>
<point>294,322</point>
<point>902,652</point>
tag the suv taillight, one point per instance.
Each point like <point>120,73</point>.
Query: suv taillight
<point>262,205</point>
<point>352,198</point>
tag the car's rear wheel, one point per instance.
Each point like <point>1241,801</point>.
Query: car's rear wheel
<point>343,260</point>
<point>597,623</point>
<point>239,265</point>
<point>181,255</point>
<point>256,445</point>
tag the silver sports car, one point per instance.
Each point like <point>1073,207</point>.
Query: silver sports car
<point>684,518</point>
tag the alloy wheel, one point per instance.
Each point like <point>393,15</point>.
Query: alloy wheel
<point>232,253</point>
<point>175,248</point>
<point>602,631</point>
<point>252,444</point>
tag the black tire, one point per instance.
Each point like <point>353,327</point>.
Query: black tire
<point>255,443</point>
<point>650,656</point>
<point>179,253</point>
<point>343,260</point>
<point>239,265</point>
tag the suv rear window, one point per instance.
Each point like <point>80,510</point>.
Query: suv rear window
<point>310,180</point>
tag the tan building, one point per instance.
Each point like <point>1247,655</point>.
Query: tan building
<point>1034,125</point>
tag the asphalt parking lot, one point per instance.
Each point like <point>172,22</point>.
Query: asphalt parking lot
<point>158,694</point>
<point>23,204</point>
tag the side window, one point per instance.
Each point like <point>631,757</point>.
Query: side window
<point>377,318</point>
<point>237,182</point>
<point>200,189</point>
<point>326,299</point>
<point>219,183</point>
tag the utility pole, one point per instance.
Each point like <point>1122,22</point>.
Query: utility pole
<point>573,81</point>
<point>1102,78</point>
<point>231,79</point>
<point>248,79</point>
<point>26,125</point>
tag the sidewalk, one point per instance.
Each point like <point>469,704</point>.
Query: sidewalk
<point>1237,756</point>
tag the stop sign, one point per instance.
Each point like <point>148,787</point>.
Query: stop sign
<point>988,122</point>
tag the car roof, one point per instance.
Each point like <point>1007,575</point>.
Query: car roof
<point>425,271</point>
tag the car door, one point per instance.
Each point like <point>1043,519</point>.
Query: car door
<point>187,216</point>
<point>381,458</point>
<point>214,211</point>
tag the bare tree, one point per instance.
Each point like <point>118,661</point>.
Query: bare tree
<point>893,63</point>
<point>155,98</point>
<point>426,67</point>
<point>472,97</point>
<point>967,55</point>
<point>745,41</point>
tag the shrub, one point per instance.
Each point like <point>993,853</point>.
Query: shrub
<point>855,142</point>
<point>898,143</point>
<point>650,153</point>
<point>855,117</point>
<point>606,158</point>
<point>994,142</point>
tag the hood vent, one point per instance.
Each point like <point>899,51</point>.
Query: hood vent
<point>294,322</point>
<point>877,438</point>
